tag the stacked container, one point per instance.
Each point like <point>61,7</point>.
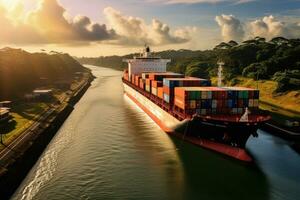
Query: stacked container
<point>154,87</point>
<point>170,83</point>
<point>159,76</point>
<point>215,100</point>
<point>142,84</point>
<point>153,81</point>
<point>137,80</point>
<point>126,76</point>
<point>245,97</point>
<point>160,92</point>
<point>148,85</point>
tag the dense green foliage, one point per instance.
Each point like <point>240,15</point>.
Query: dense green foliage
<point>21,72</point>
<point>255,58</point>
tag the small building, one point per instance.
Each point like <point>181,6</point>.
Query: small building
<point>4,115</point>
<point>39,95</point>
<point>5,104</point>
<point>43,94</point>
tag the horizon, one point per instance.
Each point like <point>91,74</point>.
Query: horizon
<point>106,28</point>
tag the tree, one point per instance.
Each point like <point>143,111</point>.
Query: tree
<point>279,41</point>
<point>233,43</point>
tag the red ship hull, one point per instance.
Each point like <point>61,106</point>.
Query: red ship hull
<point>234,152</point>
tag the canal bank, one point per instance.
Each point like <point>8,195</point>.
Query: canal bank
<point>18,158</point>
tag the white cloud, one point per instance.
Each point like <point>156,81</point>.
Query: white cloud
<point>49,20</point>
<point>270,27</point>
<point>49,23</point>
<point>135,31</point>
<point>231,27</point>
<point>243,1</point>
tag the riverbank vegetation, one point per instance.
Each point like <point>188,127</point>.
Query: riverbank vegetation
<point>21,72</point>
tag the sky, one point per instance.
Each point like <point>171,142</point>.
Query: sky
<point>113,27</point>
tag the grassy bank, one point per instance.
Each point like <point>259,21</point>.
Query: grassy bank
<point>23,115</point>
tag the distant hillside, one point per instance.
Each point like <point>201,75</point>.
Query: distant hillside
<point>277,59</point>
<point>116,62</point>
<point>21,72</point>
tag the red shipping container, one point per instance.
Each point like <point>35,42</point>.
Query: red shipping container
<point>142,85</point>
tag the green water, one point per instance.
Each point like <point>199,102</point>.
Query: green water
<point>109,149</point>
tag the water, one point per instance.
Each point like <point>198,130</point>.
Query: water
<point>109,149</point>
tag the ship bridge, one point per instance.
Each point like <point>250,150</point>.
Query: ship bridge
<point>146,63</point>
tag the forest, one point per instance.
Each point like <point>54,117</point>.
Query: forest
<point>259,59</point>
<point>21,72</point>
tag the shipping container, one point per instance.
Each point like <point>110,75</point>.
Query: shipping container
<point>185,82</point>
<point>160,92</point>
<point>159,76</point>
<point>156,84</point>
<point>154,91</point>
<point>214,100</point>
<point>142,84</point>
<point>166,98</point>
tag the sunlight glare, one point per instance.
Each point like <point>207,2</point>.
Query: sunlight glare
<point>9,4</point>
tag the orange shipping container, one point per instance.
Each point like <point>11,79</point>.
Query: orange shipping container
<point>160,92</point>
<point>148,82</point>
<point>166,90</point>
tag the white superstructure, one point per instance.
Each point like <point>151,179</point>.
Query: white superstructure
<point>146,63</point>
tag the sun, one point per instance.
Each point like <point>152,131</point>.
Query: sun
<point>9,3</point>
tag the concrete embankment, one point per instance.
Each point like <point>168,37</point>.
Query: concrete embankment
<point>26,156</point>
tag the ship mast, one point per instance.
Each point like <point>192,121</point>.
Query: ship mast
<point>220,74</point>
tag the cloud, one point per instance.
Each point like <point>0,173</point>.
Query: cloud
<point>12,32</point>
<point>49,23</point>
<point>231,27</point>
<point>135,31</point>
<point>243,1</point>
<point>200,1</point>
<point>270,27</point>
<point>48,19</point>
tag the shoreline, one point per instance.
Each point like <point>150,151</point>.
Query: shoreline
<point>16,169</point>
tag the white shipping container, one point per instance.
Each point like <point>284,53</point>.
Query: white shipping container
<point>148,88</point>
<point>166,98</point>
<point>154,91</point>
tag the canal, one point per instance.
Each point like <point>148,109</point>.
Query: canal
<point>109,149</point>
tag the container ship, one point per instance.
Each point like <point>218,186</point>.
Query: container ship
<point>217,118</point>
